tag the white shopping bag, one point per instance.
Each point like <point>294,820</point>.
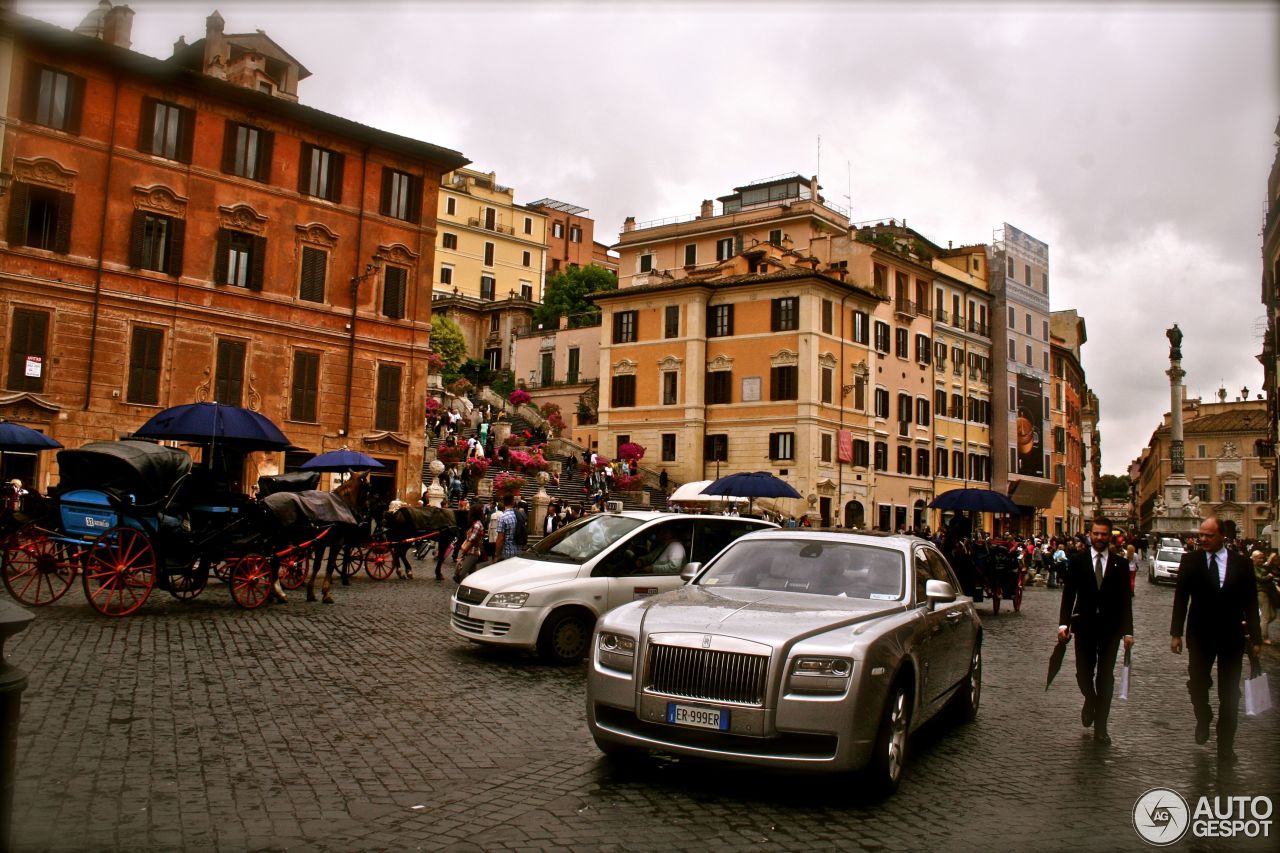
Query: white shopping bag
<point>1124,675</point>
<point>1257,690</point>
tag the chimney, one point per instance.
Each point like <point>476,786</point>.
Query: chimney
<point>216,55</point>
<point>628,224</point>
<point>117,27</point>
<point>179,45</point>
<point>564,322</point>
<point>708,209</point>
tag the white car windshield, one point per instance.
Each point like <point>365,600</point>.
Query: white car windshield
<point>584,539</point>
<point>842,569</point>
<point>1169,556</point>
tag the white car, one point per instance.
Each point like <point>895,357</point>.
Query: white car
<point>1165,566</point>
<point>549,597</point>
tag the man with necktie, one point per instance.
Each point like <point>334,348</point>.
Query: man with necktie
<point>1216,602</point>
<point>1097,606</point>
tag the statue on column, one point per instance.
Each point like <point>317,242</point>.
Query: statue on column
<point>1175,342</point>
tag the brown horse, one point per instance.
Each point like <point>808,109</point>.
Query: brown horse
<point>310,512</point>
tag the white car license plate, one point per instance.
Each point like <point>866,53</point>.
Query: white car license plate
<point>692,715</point>
<point>461,609</point>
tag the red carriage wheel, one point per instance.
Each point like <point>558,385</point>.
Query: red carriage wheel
<point>995,598</point>
<point>187,582</point>
<point>120,571</point>
<point>250,580</point>
<point>37,570</point>
<point>292,568</point>
<point>379,561</point>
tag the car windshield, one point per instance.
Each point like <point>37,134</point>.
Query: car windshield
<point>1169,556</point>
<point>584,539</point>
<point>843,569</point>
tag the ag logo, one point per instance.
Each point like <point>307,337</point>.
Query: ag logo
<point>1161,817</point>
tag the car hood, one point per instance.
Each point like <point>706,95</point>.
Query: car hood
<point>766,616</point>
<point>518,574</point>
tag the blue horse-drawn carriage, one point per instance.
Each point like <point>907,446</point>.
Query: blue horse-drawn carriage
<point>130,516</point>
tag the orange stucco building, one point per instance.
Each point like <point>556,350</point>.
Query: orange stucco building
<point>181,230</point>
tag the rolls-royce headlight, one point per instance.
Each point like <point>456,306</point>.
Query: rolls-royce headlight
<point>617,651</point>
<point>820,675</point>
<point>507,599</point>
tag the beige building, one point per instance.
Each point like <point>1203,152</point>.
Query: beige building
<point>561,366</point>
<point>1229,480</point>
<point>962,373</point>
<point>488,247</point>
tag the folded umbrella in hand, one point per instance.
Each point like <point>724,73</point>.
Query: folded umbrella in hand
<point>1055,660</point>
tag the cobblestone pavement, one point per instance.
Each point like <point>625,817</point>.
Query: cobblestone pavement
<point>367,725</point>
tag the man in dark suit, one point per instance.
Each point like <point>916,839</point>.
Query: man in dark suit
<point>1097,606</point>
<point>1216,600</point>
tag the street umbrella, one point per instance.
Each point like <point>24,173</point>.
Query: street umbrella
<point>25,439</point>
<point>751,485</point>
<point>212,424</point>
<point>341,461</point>
<point>1055,660</point>
<point>975,500</point>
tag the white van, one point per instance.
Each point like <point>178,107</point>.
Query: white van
<point>548,598</point>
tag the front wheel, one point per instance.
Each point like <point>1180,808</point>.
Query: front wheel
<point>379,560</point>
<point>564,638</point>
<point>1017,600</point>
<point>293,567</point>
<point>120,571</point>
<point>996,594</point>
<point>250,581</point>
<point>889,754</point>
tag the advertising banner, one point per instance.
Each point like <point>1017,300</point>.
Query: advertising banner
<point>844,445</point>
<point>1029,427</point>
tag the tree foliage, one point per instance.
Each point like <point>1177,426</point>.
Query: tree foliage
<point>566,293</point>
<point>1113,486</point>
<point>447,341</point>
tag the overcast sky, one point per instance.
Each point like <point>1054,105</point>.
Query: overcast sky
<point>1134,139</point>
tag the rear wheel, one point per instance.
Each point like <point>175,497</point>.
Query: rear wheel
<point>250,581</point>
<point>352,561</point>
<point>1017,599</point>
<point>996,593</point>
<point>120,571</point>
<point>889,753</point>
<point>564,638</point>
<point>37,570</point>
<point>188,582</point>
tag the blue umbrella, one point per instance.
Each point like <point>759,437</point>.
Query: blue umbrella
<point>975,500</point>
<point>342,461</point>
<point>757,484</point>
<point>214,423</point>
<point>18,437</point>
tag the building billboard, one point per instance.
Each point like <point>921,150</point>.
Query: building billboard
<point>1029,427</point>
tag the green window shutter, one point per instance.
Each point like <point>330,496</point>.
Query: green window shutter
<point>19,210</point>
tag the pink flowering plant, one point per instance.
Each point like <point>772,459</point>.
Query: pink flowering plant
<point>519,397</point>
<point>510,484</point>
<point>459,387</point>
<point>478,465</point>
<point>432,404</point>
<point>450,454</point>
<point>628,482</point>
<point>631,451</point>
<point>435,362</point>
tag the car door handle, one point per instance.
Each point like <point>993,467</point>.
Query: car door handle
<point>953,616</point>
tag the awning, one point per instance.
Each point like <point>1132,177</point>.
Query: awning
<point>1033,493</point>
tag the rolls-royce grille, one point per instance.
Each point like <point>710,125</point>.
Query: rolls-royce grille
<point>704,674</point>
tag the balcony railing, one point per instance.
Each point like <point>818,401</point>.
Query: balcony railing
<point>940,314</point>
<point>904,306</point>
<point>978,328</point>
<point>476,222</point>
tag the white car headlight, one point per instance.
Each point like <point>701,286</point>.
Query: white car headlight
<point>507,599</point>
<point>820,675</point>
<point>617,651</point>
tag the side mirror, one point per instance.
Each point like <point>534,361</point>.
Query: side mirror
<point>690,571</point>
<point>939,592</point>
